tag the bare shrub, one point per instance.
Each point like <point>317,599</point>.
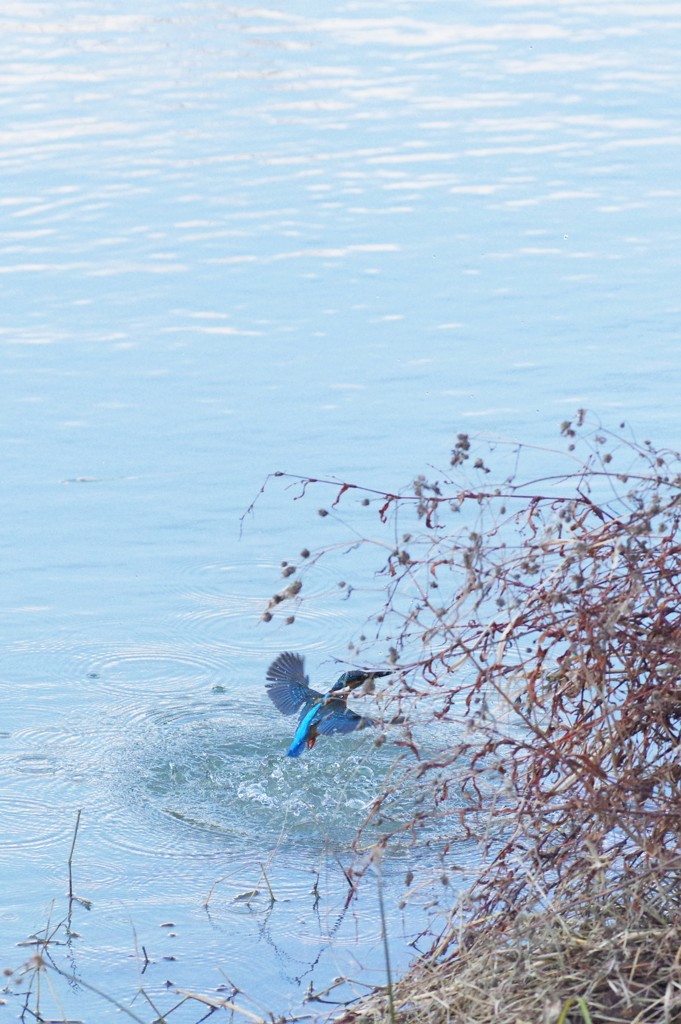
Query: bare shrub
<point>535,625</point>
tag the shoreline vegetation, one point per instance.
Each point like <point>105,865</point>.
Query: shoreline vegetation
<point>531,616</point>
<point>539,617</point>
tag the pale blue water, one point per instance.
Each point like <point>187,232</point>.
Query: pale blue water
<point>315,237</point>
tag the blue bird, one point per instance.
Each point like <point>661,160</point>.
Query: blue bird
<point>321,714</point>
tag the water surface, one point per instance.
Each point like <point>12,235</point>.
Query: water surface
<point>236,239</point>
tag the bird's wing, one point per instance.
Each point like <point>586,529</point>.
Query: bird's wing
<point>289,697</point>
<point>288,668</point>
<point>287,685</point>
<point>337,718</point>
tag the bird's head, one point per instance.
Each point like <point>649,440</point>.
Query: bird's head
<point>351,680</point>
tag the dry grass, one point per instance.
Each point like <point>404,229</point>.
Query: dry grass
<point>543,970</point>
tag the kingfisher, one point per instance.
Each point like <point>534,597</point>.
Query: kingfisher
<point>321,714</point>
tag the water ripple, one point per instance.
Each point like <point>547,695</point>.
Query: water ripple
<point>28,822</point>
<point>159,668</point>
<point>227,603</point>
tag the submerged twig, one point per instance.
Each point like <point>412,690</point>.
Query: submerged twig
<point>221,1004</point>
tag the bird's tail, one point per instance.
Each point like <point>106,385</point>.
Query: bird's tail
<point>297,747</point>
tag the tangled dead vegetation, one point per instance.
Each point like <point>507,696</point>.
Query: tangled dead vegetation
<point>540,620</point>
<point>544,971</point>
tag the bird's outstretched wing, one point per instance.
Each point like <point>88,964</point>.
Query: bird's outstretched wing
<point>288,686</point>
<point>337,718</point>
<point>288,667</point>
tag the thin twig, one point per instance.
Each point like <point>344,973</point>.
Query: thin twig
<point>273,898</point>
<point>70,860</point>
<point>384,938</point>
